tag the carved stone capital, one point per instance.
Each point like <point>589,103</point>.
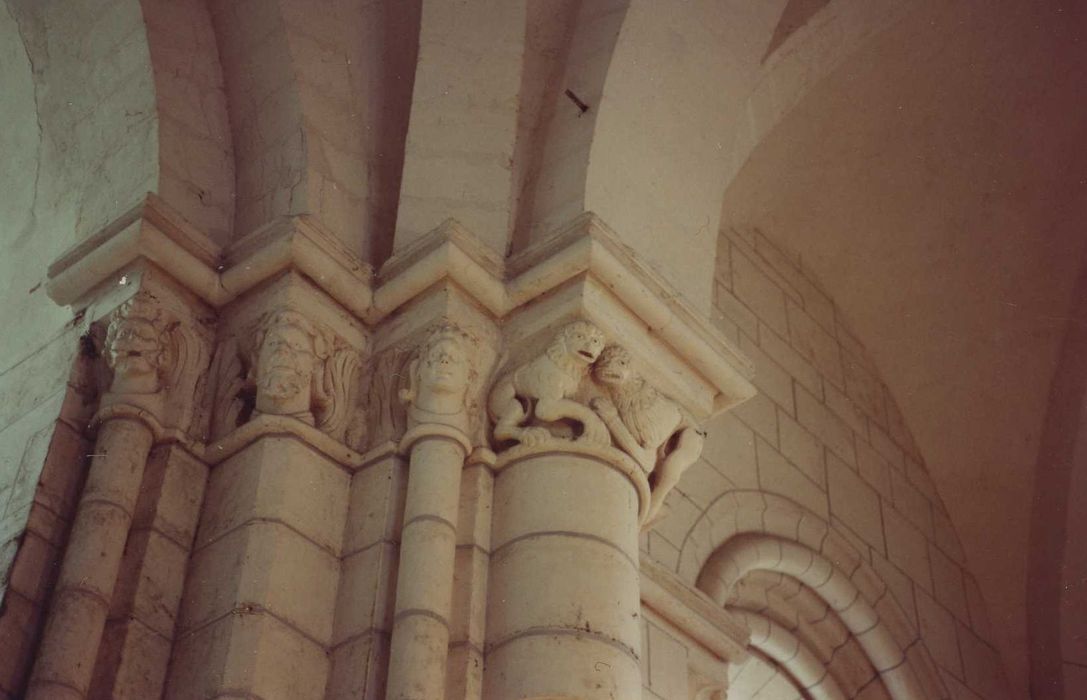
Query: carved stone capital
<point>440,373</point>
<point>299,314</point>
<point>156,353</point>
<point>286,364</point>
<point>537,400</point>
<point>140,346</point>
<point>657,432</point>
<point>582,391</point>
<point>430,366</point>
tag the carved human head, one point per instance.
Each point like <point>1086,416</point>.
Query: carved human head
<point>614,367</point>
<point>582,341</point>
<point>442,371</point>
<point>289,353</point>
<point>136,347</point>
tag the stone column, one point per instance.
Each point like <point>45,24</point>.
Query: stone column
<point>563,618</point>
<point>137,350</point>
<point>437,442</point>
<point>93,558</point>
<point>258,609</point>
<point>563,612</point>
<point>424,588</point>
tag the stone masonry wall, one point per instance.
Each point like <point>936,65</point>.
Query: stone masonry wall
<point>825,433</point>
<point>85,151</point>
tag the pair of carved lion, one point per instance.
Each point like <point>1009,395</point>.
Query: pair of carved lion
<point>625,410</point>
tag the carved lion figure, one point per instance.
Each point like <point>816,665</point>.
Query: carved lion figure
<point>650,427</point>
<point>543,388</point>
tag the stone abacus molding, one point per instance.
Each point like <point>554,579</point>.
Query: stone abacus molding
<point>701,368</point>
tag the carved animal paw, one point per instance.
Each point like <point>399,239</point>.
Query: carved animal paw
<point>604,407</point>
<point>530,437</point>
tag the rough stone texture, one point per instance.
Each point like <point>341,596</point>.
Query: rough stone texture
<point>79,148</point>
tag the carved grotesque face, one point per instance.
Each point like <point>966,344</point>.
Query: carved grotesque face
<point>444,368</point>
<point>583,341</point>
<point>614,367</point>
<point>285,365</point>
<point>134,349</point>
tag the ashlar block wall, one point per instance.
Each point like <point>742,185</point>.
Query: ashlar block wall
<point>825,433</point>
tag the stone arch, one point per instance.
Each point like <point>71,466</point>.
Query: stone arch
<point>1060,505</point>
<point>785,603</point>
<point>196,152</point>
<point>819,200</point>
<point>674,102</point>
<point>783,647</point>
<point>747,531</point>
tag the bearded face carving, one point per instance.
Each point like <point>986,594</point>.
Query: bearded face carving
<point>136,348</point>
<point>289,351</point>
<point>295,368</point>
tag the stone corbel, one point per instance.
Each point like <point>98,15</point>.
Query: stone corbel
<point>583,262</point>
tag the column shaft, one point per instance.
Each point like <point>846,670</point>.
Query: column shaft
<point>424,588</point>
<point>563,616</point>
<point>91,562</point>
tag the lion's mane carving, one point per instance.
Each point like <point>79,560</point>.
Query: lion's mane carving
<point>542,389</point>
<point>650,427</point>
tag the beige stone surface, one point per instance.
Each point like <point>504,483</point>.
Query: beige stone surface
<point>559,583</point>
<point>596,669</point>
<point>277,479</point>
<point>248,653</point>
<point>263,565</point>
<point>260,164</point>
<point>358,668</point>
